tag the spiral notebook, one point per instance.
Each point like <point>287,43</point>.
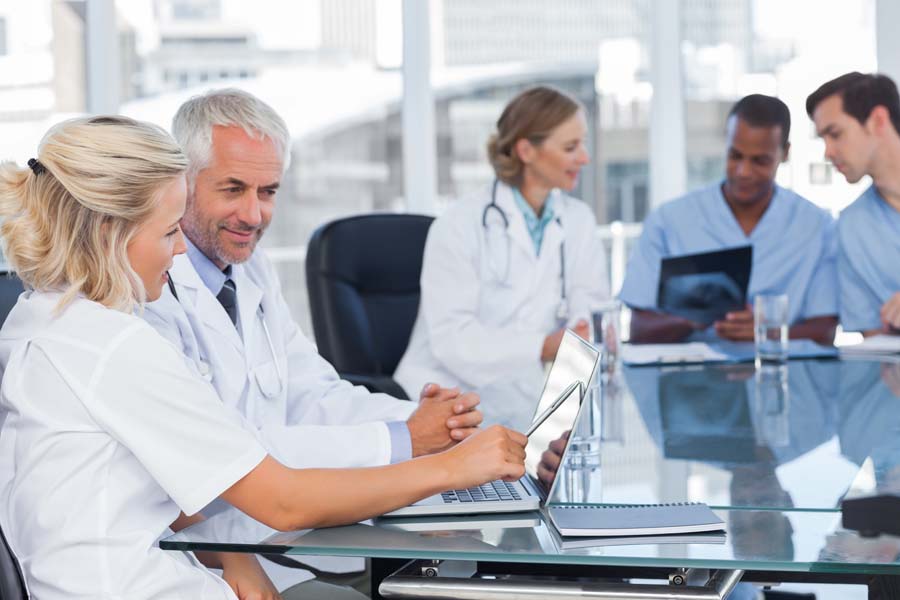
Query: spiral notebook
<point>639,519</point>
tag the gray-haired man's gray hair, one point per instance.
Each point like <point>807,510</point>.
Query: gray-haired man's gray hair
<point>193,124</point>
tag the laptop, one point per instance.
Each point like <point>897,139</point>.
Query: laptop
<point>575,361</point>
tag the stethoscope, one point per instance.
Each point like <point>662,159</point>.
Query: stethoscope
<point>204,368</point>
<point>562,310</point>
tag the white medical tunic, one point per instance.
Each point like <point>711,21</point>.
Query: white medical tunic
<point>793,249</point>
<point>489,299</point>
<point>107,435</point>
<point>868,256</point>
<point>304,414</point>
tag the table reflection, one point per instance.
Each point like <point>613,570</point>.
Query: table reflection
<point>805,426</point>
<point>869,418</point>
<point>785,436</point>
<point>735,414</point>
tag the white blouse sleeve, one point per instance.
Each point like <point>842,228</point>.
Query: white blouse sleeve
<point>145,396</point>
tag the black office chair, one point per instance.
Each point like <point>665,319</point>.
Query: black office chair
<point>362,274</point>
<point>12,582</point>
<point>10,288</point>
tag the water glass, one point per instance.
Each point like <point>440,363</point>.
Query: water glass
<point>770,328</point>
<point>605,321</point>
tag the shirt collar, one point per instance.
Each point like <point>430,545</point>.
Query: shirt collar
<point>774,208</point>
<point>531,219</point>
<point>534,224</point>
<point>213,277</point>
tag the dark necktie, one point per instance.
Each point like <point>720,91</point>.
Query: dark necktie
<point>227,297</point>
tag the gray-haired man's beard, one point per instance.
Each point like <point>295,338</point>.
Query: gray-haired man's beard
<point>225,253</point>
<point>206,239</point>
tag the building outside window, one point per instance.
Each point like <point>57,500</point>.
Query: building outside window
<point>331,68</point>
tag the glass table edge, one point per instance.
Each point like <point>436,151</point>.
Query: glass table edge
<point>560,559</point>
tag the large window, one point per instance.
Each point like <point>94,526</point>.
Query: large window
<point>333,69</point>
<point>596,51</point>
<point>28,83</point>
<point>321,65</point>
<point>329,67</point>
<point>786,49</point>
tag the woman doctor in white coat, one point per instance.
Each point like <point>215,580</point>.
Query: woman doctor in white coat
<point>507,269</point>
<point>108,435</point>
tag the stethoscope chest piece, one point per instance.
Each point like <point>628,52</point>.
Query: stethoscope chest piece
<point>494,219</point>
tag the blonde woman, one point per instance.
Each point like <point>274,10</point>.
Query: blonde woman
<point>108,436</point>
<point>508,268</point>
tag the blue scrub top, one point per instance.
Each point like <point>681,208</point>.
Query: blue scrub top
<point>868,260</point>
<point>793,249</point>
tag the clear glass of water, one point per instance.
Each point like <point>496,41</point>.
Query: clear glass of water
<point>770,325</point>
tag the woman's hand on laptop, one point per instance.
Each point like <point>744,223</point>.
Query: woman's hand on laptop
<point>444,417</point>
<point>493,453</point>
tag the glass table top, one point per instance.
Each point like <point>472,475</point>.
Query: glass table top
<point>793,436</point>
<point>756,540</point>
<point>772,450</point>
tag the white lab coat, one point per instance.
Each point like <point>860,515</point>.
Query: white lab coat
<point>479,322</point>
<point>106,434</point>
<point>310,419</point>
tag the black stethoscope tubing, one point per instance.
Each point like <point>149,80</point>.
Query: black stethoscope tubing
<point>562,246</point>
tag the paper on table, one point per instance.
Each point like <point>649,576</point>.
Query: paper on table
<point>877,344</point>
<point>722,351</point>
<point>745,351</point>
<point>691,352</point>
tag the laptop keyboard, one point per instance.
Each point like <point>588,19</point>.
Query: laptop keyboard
<point>494,491</point>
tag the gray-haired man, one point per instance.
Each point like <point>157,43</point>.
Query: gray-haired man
<point>231,318</point>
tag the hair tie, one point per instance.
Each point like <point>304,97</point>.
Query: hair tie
<point>36,166</point>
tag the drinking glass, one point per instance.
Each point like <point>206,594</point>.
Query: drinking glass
<point>770,327</point>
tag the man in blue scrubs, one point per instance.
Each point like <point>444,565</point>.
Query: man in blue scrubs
<point>792,239</point>
<point>858,116</point>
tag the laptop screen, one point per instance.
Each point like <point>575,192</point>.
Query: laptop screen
<point>575,361</point>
